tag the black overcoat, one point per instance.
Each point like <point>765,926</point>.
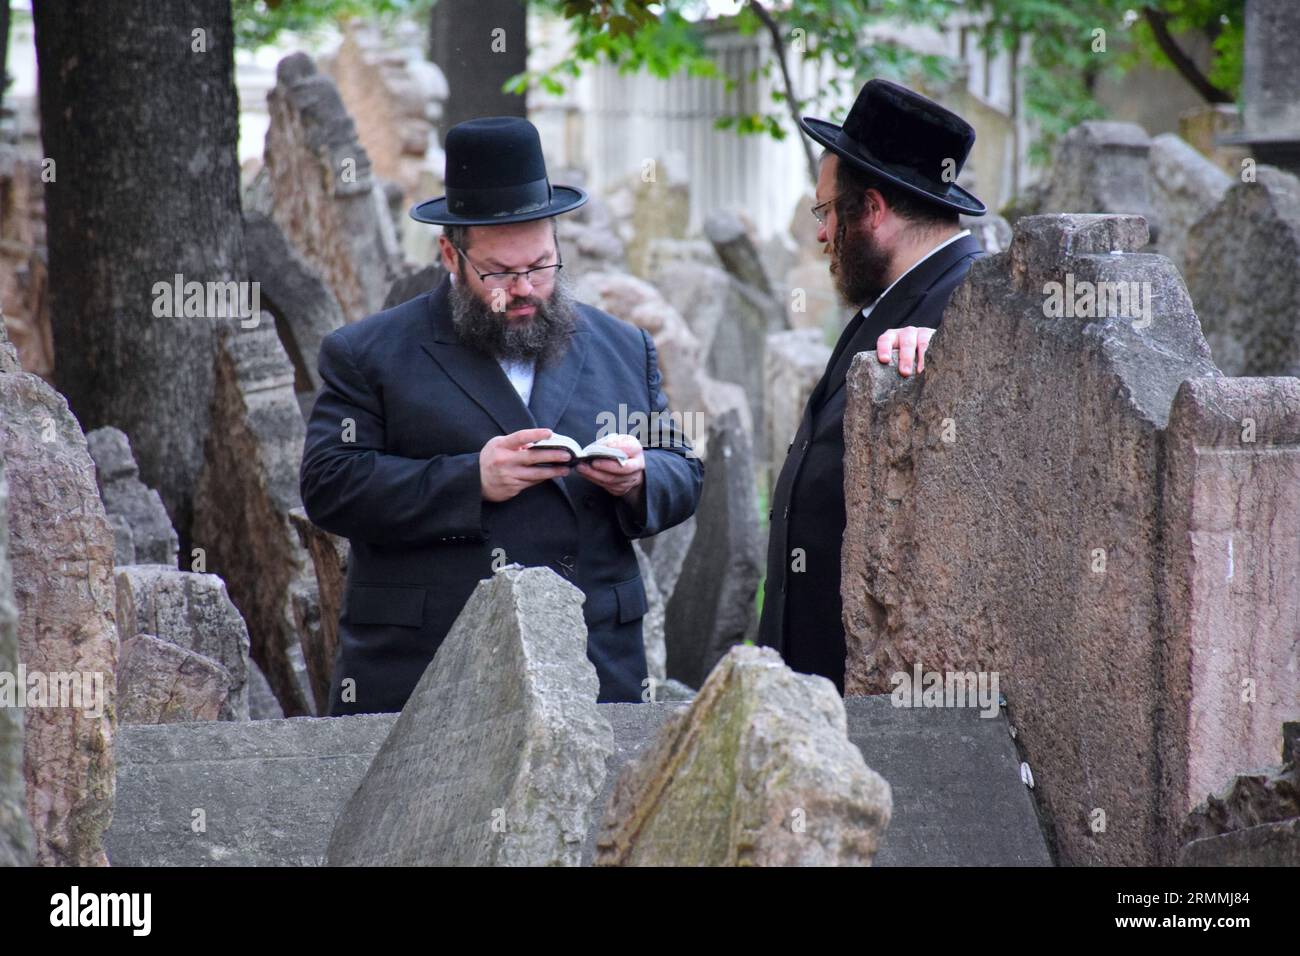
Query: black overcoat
<point>802,610</point>
<point>403,486</point>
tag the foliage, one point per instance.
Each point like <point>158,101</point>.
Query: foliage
<point>260,22</point>
<point>670,37</point>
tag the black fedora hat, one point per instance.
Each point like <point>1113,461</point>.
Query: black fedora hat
<point>904,139</point>
<point>496,175</point>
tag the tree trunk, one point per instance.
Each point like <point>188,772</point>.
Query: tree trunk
<point>140,116</point>
<point>479,44</point>
<point>142,130</point>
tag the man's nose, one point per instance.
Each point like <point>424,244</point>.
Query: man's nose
<point>822,235</point>
<point>522,277</point>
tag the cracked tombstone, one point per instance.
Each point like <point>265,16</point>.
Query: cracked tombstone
<point>758,771</point>
<point>500,751</point>
<point>1148,504</point>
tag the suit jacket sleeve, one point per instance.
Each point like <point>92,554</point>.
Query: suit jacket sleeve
<point>673,474</point>
<point>355,489</point>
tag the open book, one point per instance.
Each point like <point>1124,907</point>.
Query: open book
<point>592,452</point>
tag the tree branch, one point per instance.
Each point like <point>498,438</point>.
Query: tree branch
<point>1158,21</point>
<point>791,99</point>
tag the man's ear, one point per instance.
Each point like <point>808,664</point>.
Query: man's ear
<point>448,253</point>
<point>874,208</point>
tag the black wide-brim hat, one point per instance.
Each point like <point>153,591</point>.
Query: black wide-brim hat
<point>496,175</point>
<point>904,139</point>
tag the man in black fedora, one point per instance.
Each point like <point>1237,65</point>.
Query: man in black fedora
<point>419,445</point>
<point>888,209</point>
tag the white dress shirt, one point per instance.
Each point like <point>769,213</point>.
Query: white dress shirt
<point>521,377</point>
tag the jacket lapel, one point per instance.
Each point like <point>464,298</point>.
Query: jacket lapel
<point>479,376</point>
<point>891,312</point>
<point>553,385</point>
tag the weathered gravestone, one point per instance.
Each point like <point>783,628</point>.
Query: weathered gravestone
<point>712,606</point>
<point>1184,186</point>
<point>1270,85</point>
<point>271,791</point>
<point>740,338</point>
<point>320,644</point>
<point>793,364</point>
<point>758,771</point>
<point>243,497</point>
<point>15,831</point>
<point>1101,166</point>
<point>1254,822</point>
<point>321,192</point>
<point>1242,265</point>
<point>159,682</point>
<point>1098,516</point>
<point>143,529</point>
<point>303,306</point>
<point>267,792</point>
<point>61,556</point>
<point>194,613</point>
<point>652,625</point>
<point>498,753</point>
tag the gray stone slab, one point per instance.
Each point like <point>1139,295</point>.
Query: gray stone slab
<point>1269,844</point>
<point>955,777</point>
<point>271,789</point>
<point>634,725</point>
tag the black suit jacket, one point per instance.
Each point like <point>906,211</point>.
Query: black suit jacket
<point>802,610</point>
<point>406,489</point>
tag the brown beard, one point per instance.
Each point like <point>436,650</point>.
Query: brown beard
<point>859,265</point>
<point>542,337</point>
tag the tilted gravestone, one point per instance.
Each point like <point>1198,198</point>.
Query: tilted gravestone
<point>192,612</point>
<point>139,510</point>
<point>712,605</point>
<point>1097,515</point>
<point>60,552</point>
<point>159,682</point>
<point>1242,266</point>
<point>759,770</point>
<point>295,294</point>
<point>321,191</point>
<point>500,749</point>
<point>247,488</point>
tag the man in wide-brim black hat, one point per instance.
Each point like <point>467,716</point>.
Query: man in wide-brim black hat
<point>888,208</point>
<point>419,448</point>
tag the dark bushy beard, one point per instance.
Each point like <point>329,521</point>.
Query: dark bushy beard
<point>542,337</point>
<point>860,266</point>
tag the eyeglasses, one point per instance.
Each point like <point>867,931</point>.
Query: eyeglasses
<point>540,277</point>
<point>816,210</point>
